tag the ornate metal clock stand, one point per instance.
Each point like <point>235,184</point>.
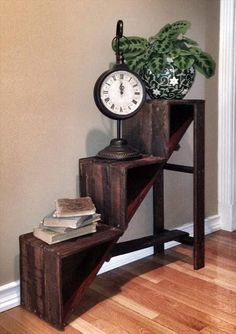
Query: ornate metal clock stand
<point>119,94</point>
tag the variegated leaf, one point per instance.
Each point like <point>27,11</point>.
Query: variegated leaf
<point>205,64</point>
<point>174,53</point>
<point>136,63</point>
<point>133,45</point>
<point>179,52</point>
<point>189,41</point>
<point>161,46</point>
<point>183,62</point>
<point>172,31</point>
<point>157,64</point>
<point>195,51</point>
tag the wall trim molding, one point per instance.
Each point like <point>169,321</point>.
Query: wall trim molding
<point>226,118</point>
<point>10,293</point>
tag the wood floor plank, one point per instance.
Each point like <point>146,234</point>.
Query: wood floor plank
<point>4,319</point>
<point>125,320</point>
<point>176,325</point>
<point>225,298</point>
<point>170,289</point>
<point>206,274</point>
<point>214,330</point>
<point>20,321</point>
<point>167,307</point>
<point>127,302</point>
<point>213,256</point>
<point>85,327</point>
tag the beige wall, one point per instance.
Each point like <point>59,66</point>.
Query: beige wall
<point>52,51</point>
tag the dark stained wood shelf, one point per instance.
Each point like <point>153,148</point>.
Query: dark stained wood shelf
<point>118,187</point>
<point>161,124</point>
<point>55,277</point>
<point>161,238</point>
<point>179,168</point>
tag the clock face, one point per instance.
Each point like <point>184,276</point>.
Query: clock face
<point>119,94</point>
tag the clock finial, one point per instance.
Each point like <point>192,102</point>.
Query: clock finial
<point>119,35</point>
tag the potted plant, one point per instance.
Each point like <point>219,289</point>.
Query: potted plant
<point>167,61</point>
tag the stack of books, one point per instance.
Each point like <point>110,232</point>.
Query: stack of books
<point>70,219</point>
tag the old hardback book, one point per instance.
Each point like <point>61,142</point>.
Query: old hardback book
<point>52,237</point>
<point>69,207</point>
<point>72,222</point>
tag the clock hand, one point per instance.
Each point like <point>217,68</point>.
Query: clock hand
<point>122,88</point>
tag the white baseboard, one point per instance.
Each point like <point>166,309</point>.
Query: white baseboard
<point>10,293</point>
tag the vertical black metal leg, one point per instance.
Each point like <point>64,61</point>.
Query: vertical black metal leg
<point>198,187</point>
<point>158,209</point>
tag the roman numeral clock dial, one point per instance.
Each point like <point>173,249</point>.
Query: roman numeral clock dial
<point>119,93</point>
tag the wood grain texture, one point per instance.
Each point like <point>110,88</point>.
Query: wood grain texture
<point>118,187</point>
<point>55,277</point>
<point>159,294</point>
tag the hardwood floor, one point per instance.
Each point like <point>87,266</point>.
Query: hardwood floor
<point>154,295</point>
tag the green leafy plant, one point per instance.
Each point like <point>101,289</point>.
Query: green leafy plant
<point>169,45</point>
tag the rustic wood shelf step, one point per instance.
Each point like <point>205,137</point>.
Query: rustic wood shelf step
<point>179,168</point>
<point>158,128</point>
<point>55,277</point>
<point>160,238</point>
<point>118,187</point>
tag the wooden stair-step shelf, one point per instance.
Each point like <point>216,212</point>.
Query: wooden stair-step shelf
<point>55,277</point>
<point>118,187</point>
<point>158,128</point>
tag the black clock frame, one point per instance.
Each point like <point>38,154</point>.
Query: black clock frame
<point>97,92</point>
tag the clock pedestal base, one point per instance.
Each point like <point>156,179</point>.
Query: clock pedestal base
<point>119,150</point>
